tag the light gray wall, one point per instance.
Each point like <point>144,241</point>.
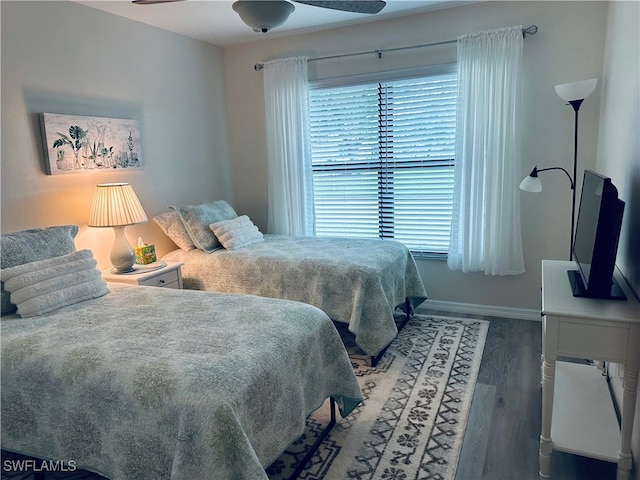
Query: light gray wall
<point>619,137</point>
<point>63,57</point>
<point>619,153</point>
<point>568,47</point>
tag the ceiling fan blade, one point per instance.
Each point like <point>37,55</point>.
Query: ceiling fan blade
<point>152,2</point>
<point>358,6</point>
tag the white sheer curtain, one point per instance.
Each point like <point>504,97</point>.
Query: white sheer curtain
<point>485,228</point>
<point>289,154</point>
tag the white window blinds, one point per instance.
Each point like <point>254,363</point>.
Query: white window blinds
<point>382,158</point>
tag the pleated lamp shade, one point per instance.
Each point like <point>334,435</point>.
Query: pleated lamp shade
<point>114,205</point>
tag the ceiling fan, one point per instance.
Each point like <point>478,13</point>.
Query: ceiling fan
<point>263,15</point>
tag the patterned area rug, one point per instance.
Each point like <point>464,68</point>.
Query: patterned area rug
<point>412,421</point>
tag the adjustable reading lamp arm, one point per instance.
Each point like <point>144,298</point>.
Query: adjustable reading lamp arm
<point>534,174</point>
<point>558,168</point>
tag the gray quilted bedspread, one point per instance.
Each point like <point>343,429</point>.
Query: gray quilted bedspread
<point>153,383</point>
<point>355,281</point>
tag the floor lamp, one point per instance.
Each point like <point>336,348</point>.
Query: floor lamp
<point>574,93</point>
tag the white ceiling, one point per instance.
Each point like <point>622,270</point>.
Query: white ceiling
<point>214,21</point>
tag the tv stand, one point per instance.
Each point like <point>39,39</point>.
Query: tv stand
<point>579,290</point>
<point>577,410</point>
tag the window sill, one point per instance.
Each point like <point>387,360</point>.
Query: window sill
<point>429,256</point>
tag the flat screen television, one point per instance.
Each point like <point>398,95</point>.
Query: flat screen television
<point>596,238</point>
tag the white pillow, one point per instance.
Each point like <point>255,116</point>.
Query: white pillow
<point>32,245</point>
<point>46,285</point>
<point>236,233</point>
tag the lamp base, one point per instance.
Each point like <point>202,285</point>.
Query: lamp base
<point>122,272</point>
<point>122,256</point>
<point>137,269</point>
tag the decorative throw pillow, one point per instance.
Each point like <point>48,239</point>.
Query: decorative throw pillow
<point>197,218</point>
<point>31,245</point>
<point>173,228</point>
<point>46,285</point>
<point>236,233</point>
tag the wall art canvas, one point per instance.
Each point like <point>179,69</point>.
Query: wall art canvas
<point>80,144</point>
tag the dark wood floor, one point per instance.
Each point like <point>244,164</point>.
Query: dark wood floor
<point>502,437</point>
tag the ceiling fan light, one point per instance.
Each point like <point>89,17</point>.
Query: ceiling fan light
<point>263,15</point>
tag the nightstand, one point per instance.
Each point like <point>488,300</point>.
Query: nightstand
<point>169,276</point>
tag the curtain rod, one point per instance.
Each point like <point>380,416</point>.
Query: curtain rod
<point>532,30</point>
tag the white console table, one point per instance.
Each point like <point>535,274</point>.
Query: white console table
<point>577,409</point>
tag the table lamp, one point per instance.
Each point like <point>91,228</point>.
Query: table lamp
<point>116,205</point>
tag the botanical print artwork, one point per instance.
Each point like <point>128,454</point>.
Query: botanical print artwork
<point>78,144</point>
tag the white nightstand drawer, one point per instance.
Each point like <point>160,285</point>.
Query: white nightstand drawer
<point>163,280</point>
<point>168,275</point>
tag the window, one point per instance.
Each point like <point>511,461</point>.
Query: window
<point>382,158</point>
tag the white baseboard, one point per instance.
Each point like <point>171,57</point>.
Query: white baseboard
<point>490,310</point>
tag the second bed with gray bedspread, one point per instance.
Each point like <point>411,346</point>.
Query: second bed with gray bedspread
<point>355,281</point>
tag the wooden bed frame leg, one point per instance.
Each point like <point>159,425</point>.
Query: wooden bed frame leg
<point>318,442</point>
<point>408,311</point>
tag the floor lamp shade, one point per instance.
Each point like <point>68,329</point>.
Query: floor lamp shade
<point>116,205</point>
<point>531,183</point>
<point>576,90</point>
